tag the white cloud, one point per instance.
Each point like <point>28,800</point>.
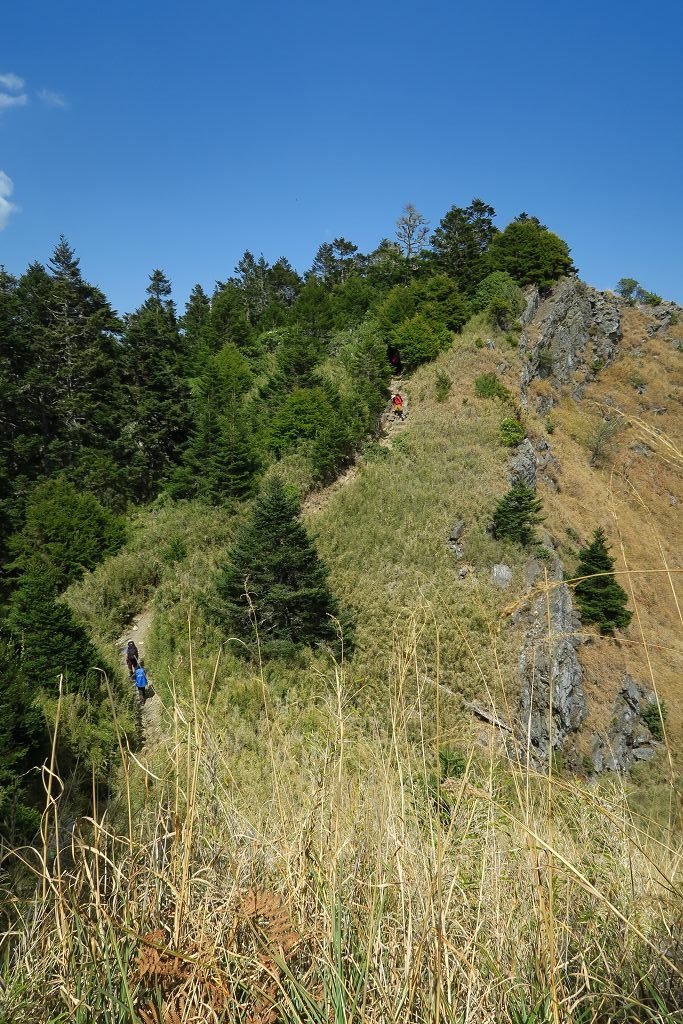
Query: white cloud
<point>6,207</point>
<point>7,101</point>
<point>53,99</point>
<point>12,82</point>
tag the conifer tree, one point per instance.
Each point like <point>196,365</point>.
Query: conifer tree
<point>275,562</point>
<point>460,242</point>
<point>516,515</point>
<point>158,414</point>
<point>600,597</point>
<point>82,350</point>
<point>51,641</point>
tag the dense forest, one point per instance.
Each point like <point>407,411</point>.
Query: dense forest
<point>101,412</point>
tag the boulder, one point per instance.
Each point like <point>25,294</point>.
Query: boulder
<point>501,575</point>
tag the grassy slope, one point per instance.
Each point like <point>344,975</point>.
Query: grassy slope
<point>292,823</point>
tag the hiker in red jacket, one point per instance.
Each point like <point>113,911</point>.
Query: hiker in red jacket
<point>397,405</point>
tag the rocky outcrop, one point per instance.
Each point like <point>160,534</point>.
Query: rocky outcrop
<point>628,740</point>
<point>553,703</point>
<point>578,333</point>
<point>661,317</point>
<point>501,576</point>
<point>523,465</point>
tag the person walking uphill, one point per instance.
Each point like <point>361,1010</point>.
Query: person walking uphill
<point>397,405</point>
<point>141,682</point>
<point>131,658</point>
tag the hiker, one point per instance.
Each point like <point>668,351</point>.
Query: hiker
<point>397,405</point>
<point>141,682</point>
<point>131,658</point>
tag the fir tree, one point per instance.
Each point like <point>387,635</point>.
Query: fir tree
<point>516,515</point>
<point>530,253</point>
<point>600,597</point>
<point>51,641</point>
<point>460,242</point>
<point>158,415</point>
<point>276,563</point>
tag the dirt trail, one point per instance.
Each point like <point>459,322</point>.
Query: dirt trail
<point>150,710</point>
<point>390,425</point>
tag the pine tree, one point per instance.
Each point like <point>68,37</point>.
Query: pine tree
<point>460,242</point>
<point>81,339</point>
<point>516,515</point>
<point>600,597</point>
<point>276,563</point>
<point>159,419</point>
<point>51,641</point>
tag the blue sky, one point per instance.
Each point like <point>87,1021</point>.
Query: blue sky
<point>178,135</point>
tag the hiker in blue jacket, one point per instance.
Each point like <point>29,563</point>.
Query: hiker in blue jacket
<point>141,682</point>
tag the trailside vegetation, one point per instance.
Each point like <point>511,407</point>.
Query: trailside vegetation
<point>273,592</point>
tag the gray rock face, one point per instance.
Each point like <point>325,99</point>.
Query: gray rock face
<point>523,465</point>
<point>532,303</point>
<point>501,575</point>
<point>550,673</point>
<point>580,327</point>
<point>454,536</point>
<point>628,739</point>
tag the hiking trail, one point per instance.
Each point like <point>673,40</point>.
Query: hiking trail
<point>389,426</point>
<point>150,710</point>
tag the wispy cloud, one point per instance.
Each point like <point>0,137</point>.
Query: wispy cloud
<point>11,81</point>
<point>52,99</point>
<point>14,97</point>
<point>6,207</point>
<point>7,101</point>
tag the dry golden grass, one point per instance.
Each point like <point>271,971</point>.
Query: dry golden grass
<point>363,889</point>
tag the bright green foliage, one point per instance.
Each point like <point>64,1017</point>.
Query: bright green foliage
<point>233,371</point>
<point>654,716</point>
<point>600,597</point>
<point>305,413</point>
<point>626,287</point>
<point>517,514</point>
<point>436,298</point>
<point>460,242</point>
<point>418,339</point>
<point>487,385</point>
<point>499,286</point>
<point>511,432</point>
<point>530,253</point>
<point>67,529</point>
<point>274,561</point>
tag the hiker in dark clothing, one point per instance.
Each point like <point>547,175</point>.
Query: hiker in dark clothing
<point>132,657</point>
<point>141,682</point>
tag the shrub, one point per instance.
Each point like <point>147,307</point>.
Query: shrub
<point>419,340</point>
<point>478,343</point>
<point>599,440</point>
<point>516,515</point>
<point>600,597</point>
<point>511,432</point>
<point>545,362</point>
<point>496,287</point>
<point>550,425</point>
<point>487,385</point>
<point>655,720</point>
<point>442,385</point>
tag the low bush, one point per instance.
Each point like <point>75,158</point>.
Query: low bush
<point>487,385</point>
<point>511,432</point>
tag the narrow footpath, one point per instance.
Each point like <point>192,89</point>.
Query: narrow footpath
<point>390,425</point>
